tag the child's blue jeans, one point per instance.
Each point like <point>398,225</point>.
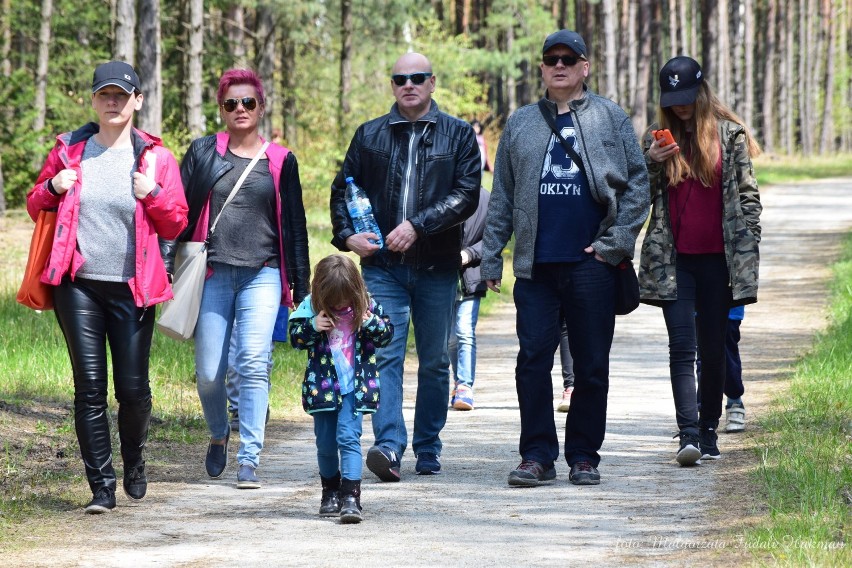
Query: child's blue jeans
<point>339,440</point>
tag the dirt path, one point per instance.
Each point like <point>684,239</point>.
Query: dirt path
<point>647,510</point>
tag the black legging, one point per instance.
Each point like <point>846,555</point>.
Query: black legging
<point>699,317</point>
<point>90,314</point>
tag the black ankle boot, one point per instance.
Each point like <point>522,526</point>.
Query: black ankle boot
<point>330,505</point>
<point>350,501</point>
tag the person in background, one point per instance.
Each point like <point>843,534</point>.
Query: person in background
<point>257,259</point>
<point>420,170</point>
<point>567,364</point>
<point>735,415</point>
<point>115,189</point>
<point>700,253</point>
<point>341,326</point>
<point>462,344</point>
<point>574,219</point>
<point>485,161</point>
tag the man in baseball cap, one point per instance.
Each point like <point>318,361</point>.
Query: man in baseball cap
<point>116,73</point>
<point>680,79</point>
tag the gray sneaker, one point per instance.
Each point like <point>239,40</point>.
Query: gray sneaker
<point>246,478</point>
<point>531,473</point>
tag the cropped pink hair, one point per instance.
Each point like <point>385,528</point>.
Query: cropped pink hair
<point>239,77</point>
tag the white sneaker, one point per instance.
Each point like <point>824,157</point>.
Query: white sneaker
<point>735,416</point>
<point>564,404</point>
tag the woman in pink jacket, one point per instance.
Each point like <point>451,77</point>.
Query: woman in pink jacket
<point>115,190</point>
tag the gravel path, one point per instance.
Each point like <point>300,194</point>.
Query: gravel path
<point>647,510</point>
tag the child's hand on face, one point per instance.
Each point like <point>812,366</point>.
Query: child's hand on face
<point>367,315</point>
<point>322,322</point>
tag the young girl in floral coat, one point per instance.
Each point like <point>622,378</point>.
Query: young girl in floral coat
<point>340,325</point>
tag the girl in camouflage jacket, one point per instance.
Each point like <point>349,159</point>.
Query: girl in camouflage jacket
<point>700,253</point>
<point>340,325</point>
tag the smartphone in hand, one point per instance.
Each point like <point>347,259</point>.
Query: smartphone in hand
<point>665,135</point>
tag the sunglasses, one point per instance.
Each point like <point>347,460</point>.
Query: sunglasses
<point>416,78</point>
<point>230,105</point>
<point>552,60</point>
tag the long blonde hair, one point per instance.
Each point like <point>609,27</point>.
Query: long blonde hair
<point>701,137</point>
<point>336,282</point>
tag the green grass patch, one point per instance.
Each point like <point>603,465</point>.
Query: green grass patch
<point>805,465</point>
<point>787,169</point>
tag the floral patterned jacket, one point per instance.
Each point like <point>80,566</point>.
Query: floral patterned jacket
<point>321,389</point>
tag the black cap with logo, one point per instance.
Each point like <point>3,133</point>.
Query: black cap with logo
<point>116,73</point>
<point>680,79</point>
<point>569,39</point>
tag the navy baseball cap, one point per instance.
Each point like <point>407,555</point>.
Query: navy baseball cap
<point>680,79</point>
<point>116,73</point>
<point>569,39</point>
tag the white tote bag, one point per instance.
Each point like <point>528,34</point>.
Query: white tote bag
<point>179,315</point>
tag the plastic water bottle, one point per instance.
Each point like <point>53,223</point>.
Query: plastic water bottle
<point>361,211</point>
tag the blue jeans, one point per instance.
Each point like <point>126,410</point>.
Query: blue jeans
<point>249,298</point>
<point>428,296</point>
<point>585,293</point>
<point>232,378</point>
<point>462,344</point>
<point>339,432</point>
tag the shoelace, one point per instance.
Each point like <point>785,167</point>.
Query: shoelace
<point>583,466</point>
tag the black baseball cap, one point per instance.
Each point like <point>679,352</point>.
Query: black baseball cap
<point>680,79</point>
<point>116,73</point>
<point>569,39</point>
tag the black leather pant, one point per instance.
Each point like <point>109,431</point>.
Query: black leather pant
<point>90,314</point>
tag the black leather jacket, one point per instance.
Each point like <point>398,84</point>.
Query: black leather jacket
<point>448,174</point>
<point>202,166</point>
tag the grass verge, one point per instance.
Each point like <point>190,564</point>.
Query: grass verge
<point>805,454</point>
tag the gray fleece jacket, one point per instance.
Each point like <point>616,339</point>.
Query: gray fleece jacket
<point>615,167</point>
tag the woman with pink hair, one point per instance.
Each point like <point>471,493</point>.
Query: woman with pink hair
<point>245,200</point>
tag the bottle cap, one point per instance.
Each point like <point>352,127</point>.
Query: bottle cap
<point>350,179</point>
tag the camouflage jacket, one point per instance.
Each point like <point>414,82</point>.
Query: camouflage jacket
<point>740,230</point>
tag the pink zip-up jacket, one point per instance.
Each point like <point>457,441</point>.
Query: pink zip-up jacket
<point>162,212</point>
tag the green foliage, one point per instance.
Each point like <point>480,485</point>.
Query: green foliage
<point>805,470</point>
<point>773,169</point>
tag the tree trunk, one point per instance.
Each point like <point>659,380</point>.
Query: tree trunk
<point>787,97</point>
<point>124,46</point>
<point>511,95</point>
<point>6,34</point>
<point>826,143</point>
<point>633,24</point>
<point>610,20</point>
<point>265,62</point>
<point>768,83</point>
<point>723,54</point>
<point>194,52</point>
<point>235,27</point>
<point>639,114</point>
<point>343,106</point>
<point>460,22</point>
<point>804,50</point>
<point>2,187</point>
<point>40,102</point>
<point>674,45</point>
<point>748,62</point>
<point>709,37</point>
<point>288,97</point>
<point>150,117</point>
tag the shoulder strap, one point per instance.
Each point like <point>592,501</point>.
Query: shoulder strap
<point>542,106</point>
<point>239,183</point>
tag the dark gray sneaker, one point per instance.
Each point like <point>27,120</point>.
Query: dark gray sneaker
<point>688,454</point>
<point>217,458</point>
<point>584,473</point>
<point>384,463</point>
<point>135,481</point>
<point>531,473</point>
<point>103,501</point>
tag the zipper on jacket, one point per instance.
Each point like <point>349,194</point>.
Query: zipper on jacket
<point>410,163</point>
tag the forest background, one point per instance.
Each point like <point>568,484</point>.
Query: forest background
<point>783,65</point>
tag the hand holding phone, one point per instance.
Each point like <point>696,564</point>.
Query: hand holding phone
<point>665,136</point>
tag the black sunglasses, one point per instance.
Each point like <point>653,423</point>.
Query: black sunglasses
<point>552,60</point>
<point>416,78</point>
<point>230,105</point>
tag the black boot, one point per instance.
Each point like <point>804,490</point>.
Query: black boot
<point>330,505</point>
<point>350,501</point>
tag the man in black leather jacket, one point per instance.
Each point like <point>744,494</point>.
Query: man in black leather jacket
<point>420,168</point>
